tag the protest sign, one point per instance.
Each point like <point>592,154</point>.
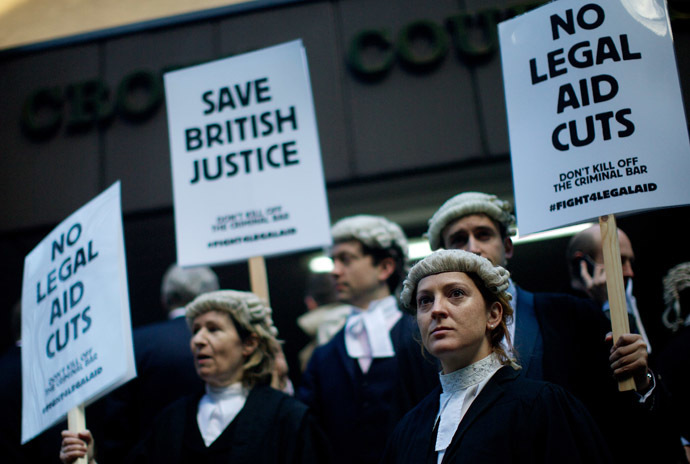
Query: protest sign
<point>595,114</point>
<point>76,329</point>
<point>246,164</point>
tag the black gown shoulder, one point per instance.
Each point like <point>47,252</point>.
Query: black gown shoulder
<point>271,428</point>
<point>513,420</point>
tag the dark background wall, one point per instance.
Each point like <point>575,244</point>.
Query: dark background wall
<point>398,144</point>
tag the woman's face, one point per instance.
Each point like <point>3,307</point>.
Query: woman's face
<point>218,351</point>
<point>454,320</point>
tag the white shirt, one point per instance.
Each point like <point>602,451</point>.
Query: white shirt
<point>460,389</point>
<point>217,408</point>
<point>367,332</point>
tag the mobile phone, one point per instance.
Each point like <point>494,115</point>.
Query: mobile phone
<point>590,264</point>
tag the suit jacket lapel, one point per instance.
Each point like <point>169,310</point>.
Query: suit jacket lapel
<point>253,421</point>
<point>422,445</point>
<point>527,335</point>
<point>349,363</point>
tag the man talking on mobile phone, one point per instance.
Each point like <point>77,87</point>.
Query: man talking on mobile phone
<point>588,277</point>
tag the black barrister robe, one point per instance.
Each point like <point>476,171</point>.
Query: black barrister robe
<point>359,411</point>
<point>271,428</point>
<point>513,420</point>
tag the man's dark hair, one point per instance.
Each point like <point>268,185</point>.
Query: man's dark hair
<point>502,229</point>
<point>379,254</point>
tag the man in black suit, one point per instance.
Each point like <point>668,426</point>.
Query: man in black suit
<point>674,360</point>
<point>588,278</point>
<point>563,339</point>
<point>42,447</point>
<point>372,371</point>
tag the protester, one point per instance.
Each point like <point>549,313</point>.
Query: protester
<point>563,339</point>
<point>161,353</point>
<point>325,316</point>
<point>588,277</point>
<point>240,418</point>
<point>11,394</point>
<point>485,410</point>
<point>40,449</point>
<point>674,360</point>
<point>372,371</point>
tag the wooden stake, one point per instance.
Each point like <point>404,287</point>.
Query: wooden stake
<point>258,279</point>
<point>614,285</point>
<point>76,422</point>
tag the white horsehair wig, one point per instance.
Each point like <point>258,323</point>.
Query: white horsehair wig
<point>495,278</point>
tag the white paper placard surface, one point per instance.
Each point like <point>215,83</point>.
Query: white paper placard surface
<point>76,328</point>
<point>246,163</point>
<point>595,113</point>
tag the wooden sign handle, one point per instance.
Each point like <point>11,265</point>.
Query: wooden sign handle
<point>258,279</point>
<point>76,422</point>
<point>614,285</point>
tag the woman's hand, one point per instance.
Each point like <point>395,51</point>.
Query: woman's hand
<point>76,445</point>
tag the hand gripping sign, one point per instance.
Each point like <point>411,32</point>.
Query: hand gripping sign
<point>595,119</point>
<point>76,330</point>
<point>595,113</point>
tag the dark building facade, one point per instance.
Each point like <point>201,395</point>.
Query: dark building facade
<point>409,103</point>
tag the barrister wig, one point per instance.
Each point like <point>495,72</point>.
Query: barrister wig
<point>380,238</point>
<point>465,204</point>
<point>676,281</point>
<point>492,282</point>
<point>373,231</point>
<point>250,315</point>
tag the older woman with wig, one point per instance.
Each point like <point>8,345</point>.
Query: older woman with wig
<point>240,418</point>
<point>484,410</point>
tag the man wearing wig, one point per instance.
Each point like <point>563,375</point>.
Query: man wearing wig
<point>563,339</point>
<point>372,371</point>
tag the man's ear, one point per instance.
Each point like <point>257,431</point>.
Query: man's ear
<point>386,268</point>
<point>574,262</point>
<point>508,247</point>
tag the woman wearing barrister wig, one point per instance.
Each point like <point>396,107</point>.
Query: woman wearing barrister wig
<point>484,411</point>
<point>240,418</point>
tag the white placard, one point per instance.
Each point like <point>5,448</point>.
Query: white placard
<point>595,114</point>
<point>246,164</point>
<point>76,329</point>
